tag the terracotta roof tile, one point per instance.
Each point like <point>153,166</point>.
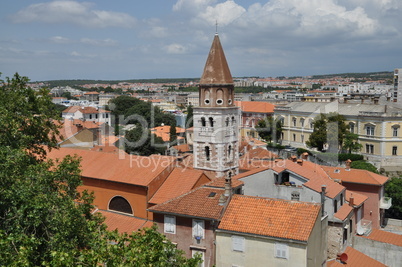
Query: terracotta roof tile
<point>385,237</point>
<point>179,182</point>
<point>196,203</point>
<point>130,169</point>
<point>164,132</point>
<point>255,106</point>
<point>355,175</point>
<point>85,110</point>
<point>270,217</point>
<point>123,223</point>
<point>220,182</point>
<point>355,259</point>
<point>259,153</point>
<point>344,211</point>
<point>358,198</point>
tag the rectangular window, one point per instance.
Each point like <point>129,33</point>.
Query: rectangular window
<point>199,252</point>
<point>281,251</point>
<point>294,122</point>
<point>238,243</point>
<point>294,137</point>
<point>394,151</point>
<point>170,224</point>
<point>370,130</point>
<point>395,132</point>
<point>352,127</point>
<point>198,229</point>
<point>302,138</point>
<point>369,149</point>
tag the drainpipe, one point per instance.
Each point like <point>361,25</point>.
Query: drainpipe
<point>323,188</point>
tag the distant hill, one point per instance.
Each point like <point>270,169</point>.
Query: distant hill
<point>54,83</point>
<point>367,75</point>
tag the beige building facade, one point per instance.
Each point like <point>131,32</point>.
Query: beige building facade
<point>378,126</point>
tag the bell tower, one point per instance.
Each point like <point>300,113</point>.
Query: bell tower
<point>216,119</point>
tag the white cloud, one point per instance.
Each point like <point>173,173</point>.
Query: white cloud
<point>175,49</point>
<point>59,40</point>
<point>105,42</point>
<point>79,13</point>
<point>223,13</point>
<point>192,5</point>
<point>75,54</point>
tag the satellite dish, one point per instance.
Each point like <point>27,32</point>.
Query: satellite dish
<point>343,257</point>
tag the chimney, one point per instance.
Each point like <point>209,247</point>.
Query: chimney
<point>293,158</point>
<point>300,162</point>
<point>323,188</point>
<point>348,164</point>
<point>305,156</point>
<point>376,100</point>
<point>225,197</point>
<point>351,200</point>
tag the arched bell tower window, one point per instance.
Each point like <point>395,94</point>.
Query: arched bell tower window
<point>120,204</point>
<point>227,121</point>
<point>206,97</point>
<point>203,122</point>
<point>219,96</point>
<point>233,120</point>
<point>207,153</point>
<point>229,150</point>
<point>211,121</point>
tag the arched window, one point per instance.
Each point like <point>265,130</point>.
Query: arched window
<point>206,97</point>
<point>233,120</point>
<point>203,122</point>
<point>120,204</point>
<point>219,97</point>
<point>211,121</point>
<point>352,127</point>
<point>207,153</point>
<point>229,150</point>
<point>335,206</point>
<point>227,121</point>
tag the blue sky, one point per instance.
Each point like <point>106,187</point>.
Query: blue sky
<point>126,39</point>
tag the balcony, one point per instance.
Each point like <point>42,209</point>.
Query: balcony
<point>364,227</point>
<point>385,203</point>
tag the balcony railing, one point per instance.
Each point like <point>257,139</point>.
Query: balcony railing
<point>385,203</point>
<point>364,228</point>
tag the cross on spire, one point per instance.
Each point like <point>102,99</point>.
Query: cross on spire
<point>216,26</point>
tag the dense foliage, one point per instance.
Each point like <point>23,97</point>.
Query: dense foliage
<point>393,189</point>
<point>269,130</point>
<point>44,220</point>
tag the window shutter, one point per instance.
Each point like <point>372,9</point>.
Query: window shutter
<point>170,224</point>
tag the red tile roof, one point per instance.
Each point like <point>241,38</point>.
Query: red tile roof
<point>255,106</point>
<point>182,148</point>
<point>385,237</point>
<point>123,223</point>
<point>355,259</point>
<point>355,176</point>
<point>220,182</point>
<point>129,169</point>
<point>358,198</point>
<point>164,132</point>
<point>260,153</point>
<point>179,182</point>
<point>84,110</point>
<point>201,203</point>
<point>270,217</point>
<point>344,212</point>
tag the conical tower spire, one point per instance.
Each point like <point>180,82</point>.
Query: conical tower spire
<point>216,70</point>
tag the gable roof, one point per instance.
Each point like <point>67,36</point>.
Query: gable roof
<point>358,198</point>
<point>355,258</point>
<point>164,132</point>
<point>260,153</point>
<point>255,106</point>
<point>270,217</point>
<point>129,169</point>
<point>179,182</point>
<point>355,176</point>
<point>344,211</point>
<point>216,70</point>
<point>202,202</point>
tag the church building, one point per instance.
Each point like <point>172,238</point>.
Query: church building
<point>216,119</point>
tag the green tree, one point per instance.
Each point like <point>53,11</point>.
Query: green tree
<point>25,116</point>
<point>328,130</point>
<point>142,142</point>
<point>189,118</point>
<point>269,130</point>
<point>351,143</point>
<point>173,134</point>
<point>363,165</point>
<point>318,137</point>
<point>44,220</point>
<point>393,189</point>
